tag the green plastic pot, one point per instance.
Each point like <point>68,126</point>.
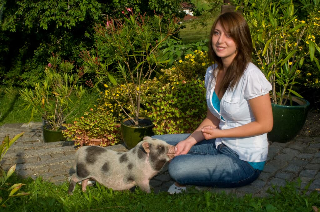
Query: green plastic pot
<point>132,134</point>
<point>288,120</point>
<point>52,135</point>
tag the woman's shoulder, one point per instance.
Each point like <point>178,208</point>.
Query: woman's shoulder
<point>252,68</point>
<point>254,82</point>
<point>253,71</point>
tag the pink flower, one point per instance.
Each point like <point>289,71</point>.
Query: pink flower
<point>129,9</point>
<point>49,65</point>
<point>122,12</point>
<point>108,24</point>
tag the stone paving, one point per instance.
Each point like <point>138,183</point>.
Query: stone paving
<point>299,158</point>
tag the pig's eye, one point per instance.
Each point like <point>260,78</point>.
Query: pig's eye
<point>160,149</point>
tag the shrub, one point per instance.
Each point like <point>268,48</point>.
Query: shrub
<point>98,126</point>
<point>177,107</point>
<point>192,66</point>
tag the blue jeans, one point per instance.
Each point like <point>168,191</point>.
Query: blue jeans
<point>206,165</point>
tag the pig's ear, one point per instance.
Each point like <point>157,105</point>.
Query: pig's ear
<point>146,147</point>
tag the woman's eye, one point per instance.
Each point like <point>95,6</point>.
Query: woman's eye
<point>216,33</point>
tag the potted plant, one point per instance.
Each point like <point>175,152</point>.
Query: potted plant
<point>131,46</point>
<point>53,97</point>
<point>282,43</point>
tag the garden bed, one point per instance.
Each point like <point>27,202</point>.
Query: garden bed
<point>312,126</point>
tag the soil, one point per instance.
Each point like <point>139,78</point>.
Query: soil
<point>312,126</point>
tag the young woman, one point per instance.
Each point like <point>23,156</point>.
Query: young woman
<point>230,147</point>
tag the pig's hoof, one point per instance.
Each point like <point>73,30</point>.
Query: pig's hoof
<point>133,189</point>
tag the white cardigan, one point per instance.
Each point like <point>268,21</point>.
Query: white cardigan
<point>236,111</point>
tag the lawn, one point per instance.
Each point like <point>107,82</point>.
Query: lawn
<point>45,196</point>
<point>196,30</point>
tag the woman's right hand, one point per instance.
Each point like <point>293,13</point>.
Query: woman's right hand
<point>183,147</point>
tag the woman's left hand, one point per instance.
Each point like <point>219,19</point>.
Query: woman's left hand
<point>209,132</point>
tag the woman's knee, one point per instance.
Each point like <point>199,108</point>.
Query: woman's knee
<point>177,168</point>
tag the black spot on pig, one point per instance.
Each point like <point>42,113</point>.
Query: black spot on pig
<point>105,167</point>
<point>141,153</point>
<point>123,158</point>
<point>130,179</point>
<point>134,150</point>
<point>82,171</point>
<point>93,152</point>
<point>161,149</point>
<point>159,164</point>
<point>130,166</point>
<point>155,162</point>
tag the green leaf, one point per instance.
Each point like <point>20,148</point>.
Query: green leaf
<point>295,93</point>
<point>112,79</point>
<point>291,10</point>
<point>10,171</point>
<point>317,47</point>
<point>311,50</point>
<point>20,194</point>
<point>317,63</point>
<point>15,188</point>
<point>301,61</point>
<point>297,27</point>
<point>288,57</point>
<point>123,71</point>
<point>266,47</point>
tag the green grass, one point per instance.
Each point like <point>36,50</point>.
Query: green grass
<point>197,29</point>
<point>45,196</point>
<point>194,31</point>
<point>13,109</point>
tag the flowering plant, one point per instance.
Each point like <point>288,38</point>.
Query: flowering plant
<point>133,44</point>
<point>281,44</point>
<point>52,97</point>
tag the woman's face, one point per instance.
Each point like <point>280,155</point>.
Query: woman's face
<point>223,44</point>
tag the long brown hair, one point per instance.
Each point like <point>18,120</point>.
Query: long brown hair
<point>235,24</point>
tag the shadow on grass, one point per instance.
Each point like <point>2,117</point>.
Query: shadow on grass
<point>10,108</point>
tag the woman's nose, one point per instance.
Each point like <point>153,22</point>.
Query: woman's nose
<point>221,38</point>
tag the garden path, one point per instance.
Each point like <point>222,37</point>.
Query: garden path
<point>299,158</point>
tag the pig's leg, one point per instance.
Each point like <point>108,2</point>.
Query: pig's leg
<point>73,182</point>
<point>84,184</point>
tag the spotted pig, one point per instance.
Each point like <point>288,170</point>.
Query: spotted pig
<point>121,171</point>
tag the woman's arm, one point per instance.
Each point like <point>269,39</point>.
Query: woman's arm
<point>184,146</point>
<point>262,111</point>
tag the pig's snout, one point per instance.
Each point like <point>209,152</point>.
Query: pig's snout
<point>171,151</point>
